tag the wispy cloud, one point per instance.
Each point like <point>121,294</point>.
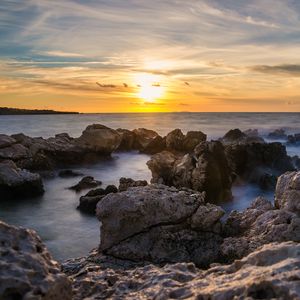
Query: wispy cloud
<point>285,69</point>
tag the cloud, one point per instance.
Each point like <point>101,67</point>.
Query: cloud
<point>61,54</point>
<point>285,69</point>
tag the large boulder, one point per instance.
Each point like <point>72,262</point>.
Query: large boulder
<point>271,272</point>
<point>27,270</point>
<point>128,140</point>
<point>174,140</point>
<point>278,134</point>
<point>160,224</point>
<point>192,139</point>
<point>15,182</point>
<point>14,152</point>
<point>6,141</point>
<point>287,194</point>
<point>206,169</point>
<point>144,137</point>
<point>100,139</point>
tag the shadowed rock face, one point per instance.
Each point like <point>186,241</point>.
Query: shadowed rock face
<point>27,270</point>
<point>271,272</point>
<point>15,182</point>
<point>206,169</point>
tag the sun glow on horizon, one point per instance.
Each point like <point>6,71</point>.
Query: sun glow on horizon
<point>149,87</point>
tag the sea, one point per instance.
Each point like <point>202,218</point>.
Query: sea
<point>66,231</point>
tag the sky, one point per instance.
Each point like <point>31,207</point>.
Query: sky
<point>150,56</point>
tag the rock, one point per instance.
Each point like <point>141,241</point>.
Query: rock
<point>6,141</point>
<point>260,224</point>
<point>278,134</point>
<point>192,139</point>
<point>86,182</point>
<point>128,140</point>
<point>267,181</point>
<point>14,152</point>
<point>252,161</point>
<point>144,137</point>
<point>204,170</point>
<point>126,183</point>
<point>69,174</point>
<point>161,166</point>
<point>234,135</point>
<point>270,272</point>
<point>159,224</point>
<point>27,270</point>
<point>287,194</point>
<point>89,202</point>
<point>174,140</point>
<point>294,139</point>
<point>156,145</point>
<point>15,182</point>
<point>100,139</point>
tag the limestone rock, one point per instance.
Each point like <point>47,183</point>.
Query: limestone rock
<point>126,183</point>
<point>27,270</point>
<point>174,140</point>
<point>15,182</point>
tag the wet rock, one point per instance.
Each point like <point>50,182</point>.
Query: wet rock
<point>278,134</point>
<point>287,194</point>
<point>143,138</point>
<point>100,139</point>
<point>6,141</point>
<point>86,182</point>
<point>27,270</point>
<point>126,183</point>
<point>174,140</point>
<point>270,272</point>
<point>251,132</point>
<point>296,162</point>
<point>160,224</point>
<point>192,139</point>
<point>69,174</point>
<point>15,182</point>
<point>236,136</point>
<point>89,202</point>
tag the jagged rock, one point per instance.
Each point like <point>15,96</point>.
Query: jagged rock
<point>234,135</point>
<point>86,182</point>
<point>143,138</point>
<point>161,165</point>
<point>288,192</point>
<point>192,139</point>
<point>27,270</point>
<point>252,161</point>
<point>256,226</point>
<point>14,152</point>
<point>15,182</point>
<point>126,183</point>
<point>296,162</point>
<point>160,224</point>
<point>204,170</point>
<point>89,202</point>
<point>174,140</point>
<point>69,173</point>
<point>128,140</point>
<point>251,132</point>
<point>100,139</point>
<point>278,134</point>
<point>6,141</point>
<point>156,145</point>
<point>271,272</point>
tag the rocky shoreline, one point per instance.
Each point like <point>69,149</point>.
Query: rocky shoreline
<point>163,240</point>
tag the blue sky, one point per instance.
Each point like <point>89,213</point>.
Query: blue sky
<point>234,54</point>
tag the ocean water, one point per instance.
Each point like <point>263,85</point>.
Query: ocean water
<point>69,233</point>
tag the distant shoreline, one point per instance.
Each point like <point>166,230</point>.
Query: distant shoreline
<point>18,111</point>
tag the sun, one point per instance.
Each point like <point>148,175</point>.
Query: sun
<point>149,87</point>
